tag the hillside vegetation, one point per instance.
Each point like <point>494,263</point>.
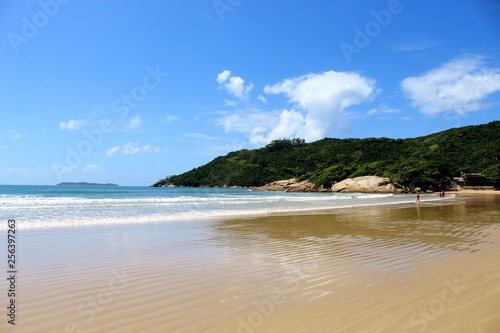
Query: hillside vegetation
<point>432,159</point>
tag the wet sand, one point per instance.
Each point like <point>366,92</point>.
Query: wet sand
<point>480,192</point>
<point>426,268</point>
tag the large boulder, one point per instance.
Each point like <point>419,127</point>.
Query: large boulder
<point>342,185</point>
<point>365,184</point>
<point>370,181</point>
<point>389,188</point>
<point>279,185</point>
<point>303,186</point>
<point>291,185</point>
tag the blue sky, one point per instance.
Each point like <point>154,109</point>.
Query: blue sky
<point>131,91</point>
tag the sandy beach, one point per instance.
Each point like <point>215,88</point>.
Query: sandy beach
<point>427,268</point>
<point>476,192</point>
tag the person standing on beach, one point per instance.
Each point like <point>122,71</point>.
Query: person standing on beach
<point>418,197</point>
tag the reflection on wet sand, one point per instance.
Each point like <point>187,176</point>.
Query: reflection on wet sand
<point>372,270</point>
<point>448,227</point>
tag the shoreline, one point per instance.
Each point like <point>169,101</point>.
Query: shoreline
<point>306,206</point>
<point>406,200</point>
<point>441,202</point>
<point>480,192</point>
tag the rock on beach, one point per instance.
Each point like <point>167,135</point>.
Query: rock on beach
<point>364,184</point>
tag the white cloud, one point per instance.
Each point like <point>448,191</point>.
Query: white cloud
<point>208,145</point>
<point>234,85</point>
<point>288,124</point>
<point>73,124</point>
<point>15,171</point>
<point>112,150</point>
<point>458,87</point>
<point>229,102</point>
<point>13,134</point>
<point>381,110</point>
<point>150,149</point>
<point>134,122</point>
<point>132,148</point>
<point>91,168</point>
<point>262,127</point>
<point>319,103</point>
<point>323,99</point>
<point>223,76</point>
<point>168,118</point>
<point>262,99</point>
<point>247,120</point>
<point>61,169</point>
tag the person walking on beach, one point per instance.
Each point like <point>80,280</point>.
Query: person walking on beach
<point>418,197</point>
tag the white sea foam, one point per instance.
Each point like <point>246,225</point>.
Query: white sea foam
<point>145,205</point>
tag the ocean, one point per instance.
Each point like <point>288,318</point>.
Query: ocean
<point>59,206</point>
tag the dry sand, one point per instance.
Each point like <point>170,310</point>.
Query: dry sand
<point>427,268</point>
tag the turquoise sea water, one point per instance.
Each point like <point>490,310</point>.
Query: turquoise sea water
<point>56,206</point>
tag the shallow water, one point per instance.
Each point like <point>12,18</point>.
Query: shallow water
<point>58,206</point>
<point>427,268</point>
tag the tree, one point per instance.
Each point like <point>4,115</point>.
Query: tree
<point>284,143</point>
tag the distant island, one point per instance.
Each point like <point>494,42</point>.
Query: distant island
<point>84,184</point>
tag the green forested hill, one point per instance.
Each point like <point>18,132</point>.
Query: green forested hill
<point>418,161</point>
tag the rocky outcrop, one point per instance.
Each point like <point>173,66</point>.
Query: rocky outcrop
<point>365,184</point>
<point>291,185</point>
